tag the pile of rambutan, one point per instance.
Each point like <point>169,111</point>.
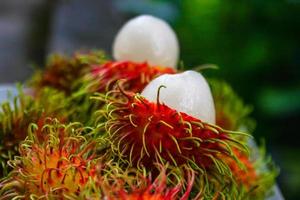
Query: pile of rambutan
<point>89,127</point>
<point>127,147</point>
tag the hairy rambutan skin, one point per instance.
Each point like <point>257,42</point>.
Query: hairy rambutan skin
<point>245,176</point>
<point>15,119</point>
<point>157,190</point>
<point>231,112</point>
<point>62,72</point>
<point>55,162</point>
<point>257,175</point>
<point>135,75</point>
<point>103,78</point>
<point>132,184</point>
<point>143,132</point>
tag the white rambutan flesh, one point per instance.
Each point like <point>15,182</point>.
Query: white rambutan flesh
<point>147,38</point>
<point>186,92</point>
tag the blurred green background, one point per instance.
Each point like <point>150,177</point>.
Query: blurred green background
<point>255,43</point>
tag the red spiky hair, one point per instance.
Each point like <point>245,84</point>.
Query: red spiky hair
<point>143,133</point>
<point>55,162</point>
<point>134,185</point>
<point>136,75</point>
<point>157,190</point>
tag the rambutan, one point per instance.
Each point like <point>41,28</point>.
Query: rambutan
<point>55,162</point>
<point>257,175</point>
<point>245,176</point>
<point>157,190</point>
<point>143,133</point>
<point>103,78</point>
<point>231,112</point>
<point>15,119</point>
<point>136,76</point>
<point>132,184</point>
<point>62,72</point>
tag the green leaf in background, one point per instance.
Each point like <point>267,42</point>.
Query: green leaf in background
<point>278,102</point>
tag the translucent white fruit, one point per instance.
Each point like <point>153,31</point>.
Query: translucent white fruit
<point>186,92</point>
<point>147,38</point>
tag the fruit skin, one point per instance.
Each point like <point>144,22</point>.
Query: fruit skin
<point>147,38</point>
<point>157,190</point>
<point>105,78</point>
<point>132,184</point>
<point>63,72</point>
<point>231,112</point>
<point>55,162</point>
<point>135,76</point>
<point>258,173</point>
<point>15,119</point>
<point>143,133</point>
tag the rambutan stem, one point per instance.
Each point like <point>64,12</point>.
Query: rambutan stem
<point>158,93</point>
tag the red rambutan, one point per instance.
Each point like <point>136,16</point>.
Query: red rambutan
<point>103,78</point>
<point>143,133</point>
<point>136,75</point>
<point>132,184</point>
<point>157,190</point>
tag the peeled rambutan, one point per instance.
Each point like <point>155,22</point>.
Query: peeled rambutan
<point>143,133</point>
<point>62,72</point>
<point>55,162</point>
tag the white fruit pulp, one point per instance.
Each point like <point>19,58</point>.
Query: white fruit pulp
<point>186,92</point>
<point>147,38</point>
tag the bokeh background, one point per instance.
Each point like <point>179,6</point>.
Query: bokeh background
<point>255,43</point>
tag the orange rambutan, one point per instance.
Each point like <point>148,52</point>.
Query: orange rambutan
<point>55,162</point>
<point>246,175</point>
<point>256,176</point>
<point>15,119</point>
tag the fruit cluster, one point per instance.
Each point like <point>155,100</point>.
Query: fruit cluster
<point>83,130</point>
